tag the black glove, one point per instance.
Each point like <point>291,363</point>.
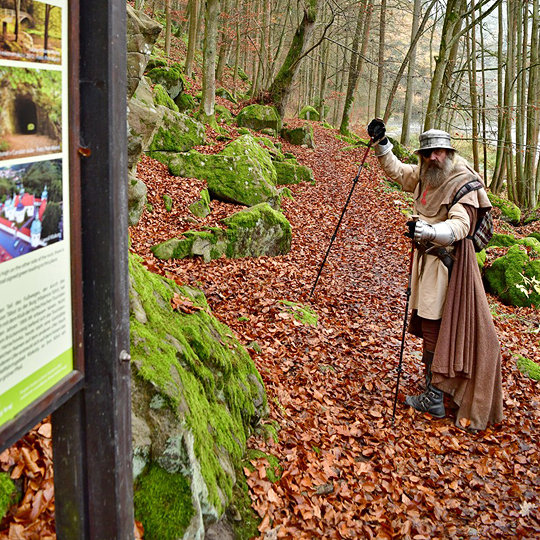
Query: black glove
<point>377,130</point>
<point>412,226</point>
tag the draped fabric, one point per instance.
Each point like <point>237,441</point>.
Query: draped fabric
<point>467,362</point>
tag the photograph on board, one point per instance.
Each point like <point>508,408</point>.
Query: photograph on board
<point>30,112</point>
<point>30,31</point>
<point>31,209</point>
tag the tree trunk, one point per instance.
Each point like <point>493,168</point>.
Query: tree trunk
<point>380,70</point>
<point>17,15</point>
<point>168,28</point>
<point>473,91</point>
<point>356,63</point>
<point>46,30</point>
<point>209,60</point>
<point>281,86</point>
<point>406,125</point>
<point>192,36</point>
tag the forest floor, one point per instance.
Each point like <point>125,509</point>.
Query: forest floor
<point>347,472</point>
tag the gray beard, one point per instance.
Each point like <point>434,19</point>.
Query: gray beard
<point>435,175</point>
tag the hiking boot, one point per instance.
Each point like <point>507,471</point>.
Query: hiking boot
<point>431,401</point>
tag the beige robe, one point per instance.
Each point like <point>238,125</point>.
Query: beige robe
<point>429,282</point>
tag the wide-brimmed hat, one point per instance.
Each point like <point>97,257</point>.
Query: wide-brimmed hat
<point>433,139</point>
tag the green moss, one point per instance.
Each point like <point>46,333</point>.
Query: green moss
<point>300,135</point>
<point>171,79</point>
<point>247,521</point>
<point>258,117</point>
<point>531,243</point>
<point>168,202</point>
<point>309,113</point>
<point>502,240</point>
<point>274,469</point>
<point>223,114</point>
<point>528,367</point>
<point>201,208</point>
<point>200,369</point>
<point>535,235</point>
<point>481,259</point>
<point>149,207</point>
<point>505,277</point>
<point>510,211</point>
<point>163,504</point>
<point>178,132</point>
<point>225,94</point>
<point>185,102</point>
<point>303,314</point>
<point>8,494</point>
<point>155,62</point>
<point>402,152</point>
<point>162,98</point>
<point>290,173</point>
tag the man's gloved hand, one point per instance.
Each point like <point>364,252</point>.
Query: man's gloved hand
<point>420,231</point>
<point>377,131</point>
<point>441,234</point>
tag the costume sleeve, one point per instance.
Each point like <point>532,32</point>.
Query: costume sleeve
<point>406,175</point>
<point>459,221</point>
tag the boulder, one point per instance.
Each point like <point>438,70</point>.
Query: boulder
<point>177,132</point>
<point>291,173</point>
<point>259,117</point>
<point>252,232</point>
<point>309,113</point>
<point>142,33</point>
<point>242,173</point>
<point>510,212</point>
<point>225,94</point>
<point>223,114</point>
<point>300,136</point>
<point>185,102</point>
<point>170,78</point>
<point>154,62</point>
<point>136,199</point>
<point>196,396</point>
<point>162,98</point>
<point>514,276</point>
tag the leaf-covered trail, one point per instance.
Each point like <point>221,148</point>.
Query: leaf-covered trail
<point>347,472</point>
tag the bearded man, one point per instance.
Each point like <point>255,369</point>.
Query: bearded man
<point>461,351</point>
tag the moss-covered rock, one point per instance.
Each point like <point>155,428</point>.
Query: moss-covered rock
<point>273,148</point>
<point>167,202</point>
<point>201,207</point>
<point>534,235</point>
<point>253,232</point>
<point>290,173</point>
<point>162,98</point>
<point>502,240</point>
<point>178,132</point>
<point>8,493</point>
<point>528,367</point>
<point>196,397</point>
<point>185,102</point>
<point>508,277</point>
<point>225,94</point>
<point>510,212</point>
<point>402,152</point>
<point>302,135</point>
<point>223,114</point>
<point>170,78</point>
<point>258,117</point>
<point>309,113</point>
<point>155,62</point>
<point>481,259</point>
<point>242,173</point>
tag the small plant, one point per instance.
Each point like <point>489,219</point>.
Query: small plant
<point>529,285</point>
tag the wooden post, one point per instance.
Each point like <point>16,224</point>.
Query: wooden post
<point>92,431</point>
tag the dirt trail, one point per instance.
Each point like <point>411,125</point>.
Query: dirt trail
<point>347,472</point>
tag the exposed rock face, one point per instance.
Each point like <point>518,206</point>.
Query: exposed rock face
<point>196,395</point>
<point>241,173</point>
<point>259,117</point>
<point>252,232</point>
<point>300,136</point>
<point>170,78</point>
<point>177,132</point>
<point>142,33</point>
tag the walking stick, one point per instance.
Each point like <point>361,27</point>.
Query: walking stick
<point>342,214</point>
<point>404,328</point>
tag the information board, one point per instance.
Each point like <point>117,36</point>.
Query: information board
<point>36,337</point>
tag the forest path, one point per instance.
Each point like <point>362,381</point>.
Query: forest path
<point>347,472</point>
